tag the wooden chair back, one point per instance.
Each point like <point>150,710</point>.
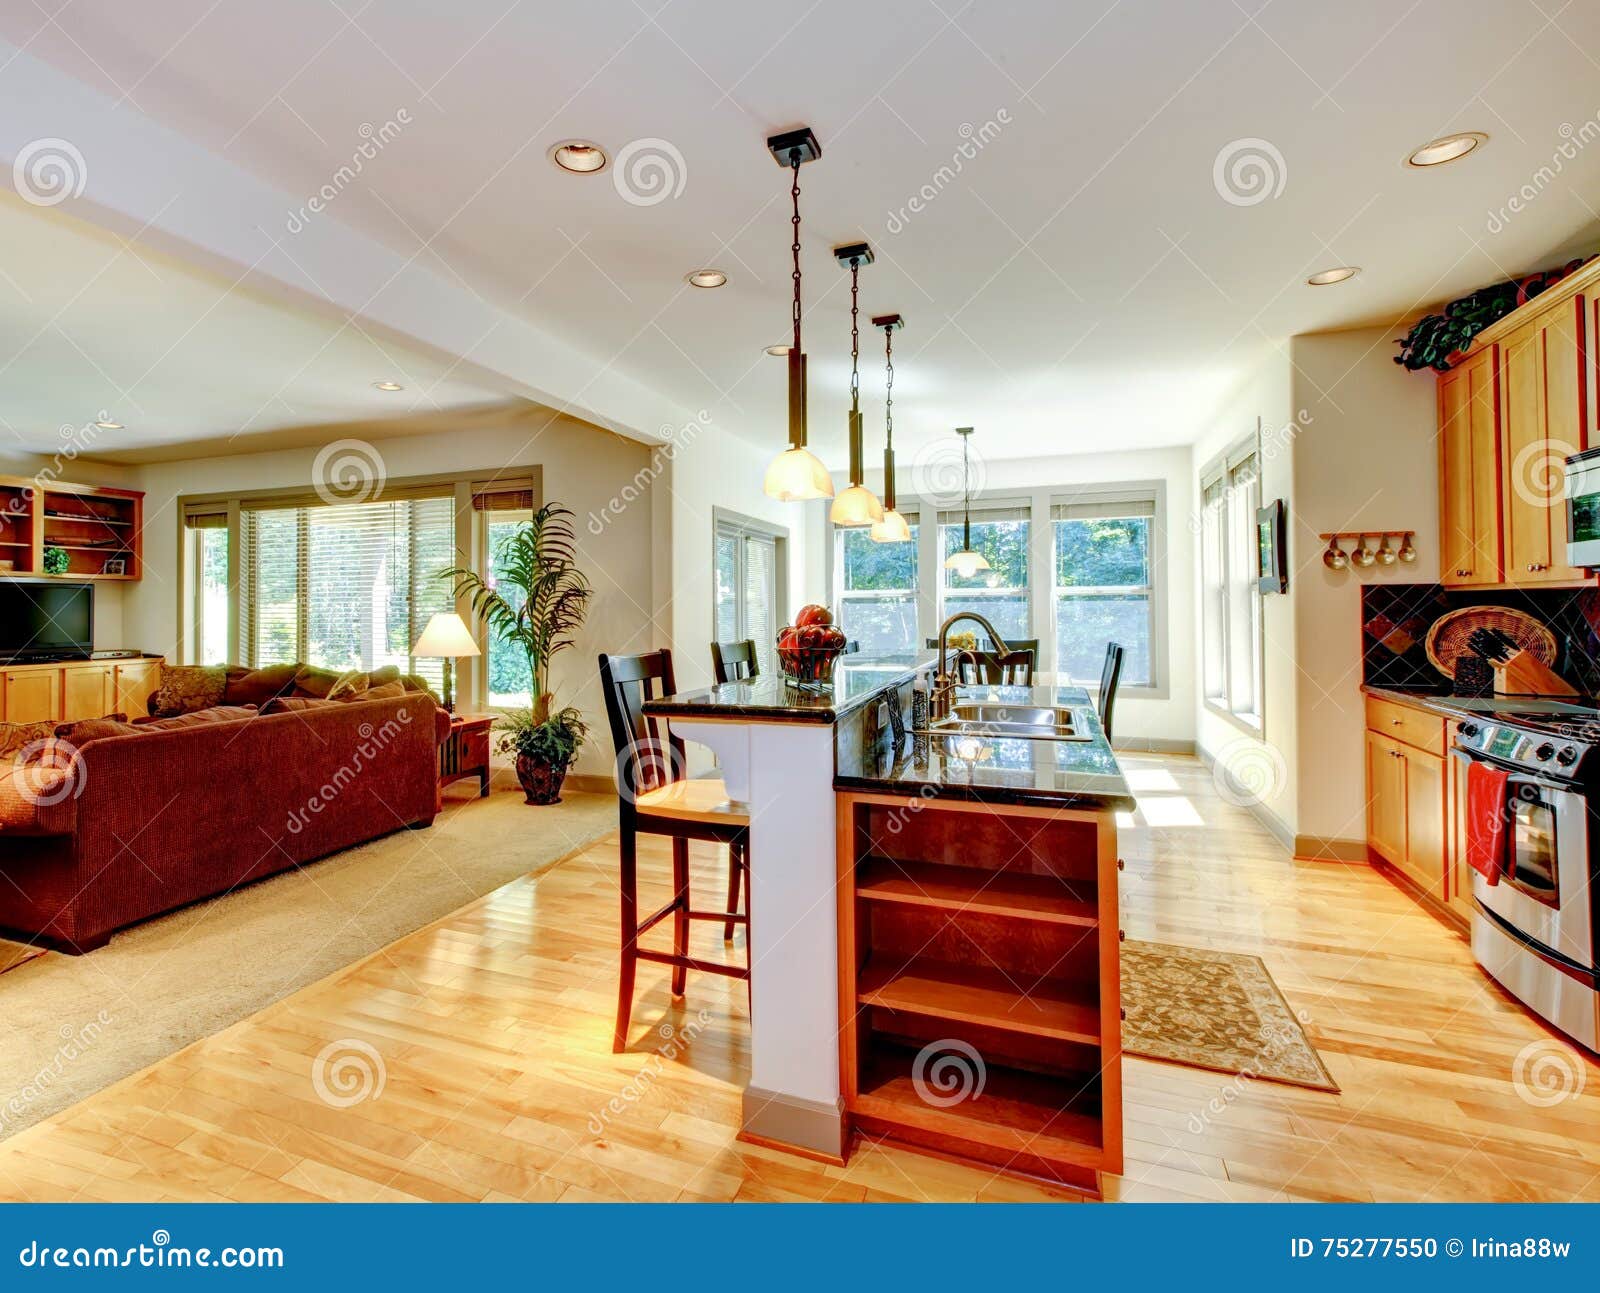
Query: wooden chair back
<point>1110,676</point>
<point>735,661</point>
<point>1013,668</point>
<point>648,755</point>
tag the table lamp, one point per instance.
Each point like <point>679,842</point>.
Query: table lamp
<point>446,636</point>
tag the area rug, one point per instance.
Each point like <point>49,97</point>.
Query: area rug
<point>71,1025</point>
<point>1214,1010</point>
<point>15,954</point>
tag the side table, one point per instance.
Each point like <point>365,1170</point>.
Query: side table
<point>465,752</point>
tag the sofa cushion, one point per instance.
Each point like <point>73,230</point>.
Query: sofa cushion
<point>16,738</point>
<point>199,718</point>
<point>188,687</point>
<point>257,686</point>
<point>416,682</point>
<point>296,704</point>
<point>38,799</point>
<point>98,729</point>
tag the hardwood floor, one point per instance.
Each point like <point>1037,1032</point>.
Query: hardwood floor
<point>472,1060</point>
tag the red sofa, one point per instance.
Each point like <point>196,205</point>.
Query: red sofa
<point>163,818</point>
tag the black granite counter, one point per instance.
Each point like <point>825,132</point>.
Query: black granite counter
<point>769,698</point>
<point>1045,773</point>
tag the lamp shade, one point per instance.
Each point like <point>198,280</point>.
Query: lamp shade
<point>892,529</point>
<point>446,635</point>
<point>966,563</point>
<point>857,505</point>
<point>797,475</point>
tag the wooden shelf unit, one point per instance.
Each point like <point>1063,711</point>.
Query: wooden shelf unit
<point>980,1007</point>
<point>92,524</point>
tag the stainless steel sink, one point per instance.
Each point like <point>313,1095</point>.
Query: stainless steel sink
<point>1012,722</point>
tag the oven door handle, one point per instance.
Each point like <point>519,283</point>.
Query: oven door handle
<point>1517,777</point>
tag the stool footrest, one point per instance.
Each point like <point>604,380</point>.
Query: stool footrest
<point>694,963</point>
<point>655,918</point>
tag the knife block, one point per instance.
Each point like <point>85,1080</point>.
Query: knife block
<point>1527,675</point>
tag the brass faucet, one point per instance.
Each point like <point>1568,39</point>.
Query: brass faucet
<point>944,684</point>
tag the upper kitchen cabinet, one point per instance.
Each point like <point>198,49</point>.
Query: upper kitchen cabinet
<point>1469,472</point>
<point>1542,420</point>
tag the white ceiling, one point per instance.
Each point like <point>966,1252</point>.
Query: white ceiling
<point>1080,283</point>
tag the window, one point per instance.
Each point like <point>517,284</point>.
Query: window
<point>208,567</point>
<point>501,511</point>
<point>1230,591</point>
<point>749,574</point>
<point>1105,556</point>
<point>999,594</point>
<point>877,590</point>
<point>347,586</point>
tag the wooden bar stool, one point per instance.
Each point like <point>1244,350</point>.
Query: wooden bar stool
<point>1110,677</point>
<point>735,661</point>
<point>657,797</point>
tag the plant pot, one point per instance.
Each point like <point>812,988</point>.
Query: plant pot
<point>540,780</point>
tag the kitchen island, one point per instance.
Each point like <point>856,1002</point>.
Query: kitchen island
<point>933,916</point>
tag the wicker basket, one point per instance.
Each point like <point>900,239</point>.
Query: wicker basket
<point>1447,639</point>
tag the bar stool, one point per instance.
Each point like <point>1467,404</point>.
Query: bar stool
<point>735,661</point>
<point>657,797</point>
<point>1110,676</point>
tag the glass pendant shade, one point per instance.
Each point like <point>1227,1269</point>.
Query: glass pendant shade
<point>797,476</point>
<point>857,505</point>
<point>966,563</point>
<point>892,529</point>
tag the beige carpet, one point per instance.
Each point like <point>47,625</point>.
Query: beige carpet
<point>1214,1010</point>
<point>70,1025</point>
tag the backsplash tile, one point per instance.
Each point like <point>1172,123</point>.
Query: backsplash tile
<point>1395,619</point>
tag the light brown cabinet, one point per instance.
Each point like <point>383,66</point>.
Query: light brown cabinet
<point>1469,472</point>
<point>32,695</point>
<point>86,692</point>
<point>63,693</point>
<point>135,682</point>
<point>1458,875</point>
<point>1406,811</point>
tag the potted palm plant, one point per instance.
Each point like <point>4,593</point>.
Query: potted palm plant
<point>536,601</point>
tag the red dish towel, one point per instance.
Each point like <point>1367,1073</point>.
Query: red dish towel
<point>1486,820</point>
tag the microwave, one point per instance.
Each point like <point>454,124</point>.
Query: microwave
<point>1583,509</point>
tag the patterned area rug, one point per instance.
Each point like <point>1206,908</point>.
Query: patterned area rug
<point>1214,1010</point>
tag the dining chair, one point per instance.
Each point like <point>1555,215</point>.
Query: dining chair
<point>1013,668</point>
<point>1110,676</point>
<point>657,797</point>
<point>734,661</point>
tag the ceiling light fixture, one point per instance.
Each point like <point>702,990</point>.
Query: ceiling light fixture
<point>778,351</point>
<point>1447,149</point>
<point>968,561</point>
<point>1326,276</point>
<point>106,424</point>
<point>893,528</point>
<point>387,386</point>
<point>857,505</point>
<point>706,278</point>
<point>796,475</point>
<point>578,156</point>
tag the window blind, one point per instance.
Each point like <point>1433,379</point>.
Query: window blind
<point>1104,508</point>
<point>346,586</point>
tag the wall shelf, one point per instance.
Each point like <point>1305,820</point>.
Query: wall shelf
<point>35,515</point>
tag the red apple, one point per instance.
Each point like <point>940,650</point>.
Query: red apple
<point>813,636</point>
<point>812,613</point>
<point>834,638</point>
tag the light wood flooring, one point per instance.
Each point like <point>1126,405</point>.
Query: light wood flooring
<point>492,1028</point>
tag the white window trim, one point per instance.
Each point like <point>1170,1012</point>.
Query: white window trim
<point>1218,470</point>
<point>724,520</point>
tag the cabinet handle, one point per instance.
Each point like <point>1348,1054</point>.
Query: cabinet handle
<point>1121,865</point>
<point>1395,721</point>
<point>1122,936</point>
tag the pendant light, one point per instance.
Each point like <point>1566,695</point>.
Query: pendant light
<point>857,505</point>
<point>967,562</point>
<point>796,474</point>
<point>893,528</point>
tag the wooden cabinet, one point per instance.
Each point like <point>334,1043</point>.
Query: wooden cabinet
<point>1458,875</point>
<point>1542,420</point>
<point>94,532</point>
<point>135,681</point>
<point>32,695</point>
<point>63,693</point>
<point>1411,801</point>
<point>1469,472</point>
<point>86,692</point>
<point>1386,798</point>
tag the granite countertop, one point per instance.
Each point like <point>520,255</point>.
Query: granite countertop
<point>770,699</point>
<point>1045,773</point>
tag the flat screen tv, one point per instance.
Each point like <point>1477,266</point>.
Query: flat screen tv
<point>45,619</point>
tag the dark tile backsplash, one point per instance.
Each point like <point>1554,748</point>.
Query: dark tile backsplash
<point>1395,619</point>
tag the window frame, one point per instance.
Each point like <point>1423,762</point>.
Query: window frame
<point>740,526</point>
<point>1220,471</point>
<point>995,504</point>
<point>911,594</point>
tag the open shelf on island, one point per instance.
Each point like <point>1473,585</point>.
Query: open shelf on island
<point>997,893</point>
<point>979,995</point>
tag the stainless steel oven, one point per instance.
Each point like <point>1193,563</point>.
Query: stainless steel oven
<point>1534,930</point>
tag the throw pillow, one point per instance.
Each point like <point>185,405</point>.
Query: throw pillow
<point>388,691</point>
<point>416,682</point>
<point>17,737</point>
<point>188,687</point>
<point>295,704</point>
<point>98,729</point>
<point>314,682</point>
<point>350,686</point>
<point>64,730</point>
<point>258,686</point>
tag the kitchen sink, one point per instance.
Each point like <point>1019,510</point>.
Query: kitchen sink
<point>1012,722</point>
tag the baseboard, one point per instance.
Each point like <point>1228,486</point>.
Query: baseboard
<point>1153,745</point>
<point>787,1121</point>
<point>1275,825</point>
<point>590,783</point>
<point>1321,848</point>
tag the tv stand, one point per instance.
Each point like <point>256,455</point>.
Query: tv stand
<point>63,691</point>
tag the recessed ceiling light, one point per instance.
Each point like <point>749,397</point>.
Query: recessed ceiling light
<point>388,386</point>
<point>779,351</point>
<point>706,278</point>
<point>106,424</point>
<point>1325,276</point>
<point>1447,149</point>
<point>578,156</point>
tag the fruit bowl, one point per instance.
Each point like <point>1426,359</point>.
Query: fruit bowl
<point>808,648</point>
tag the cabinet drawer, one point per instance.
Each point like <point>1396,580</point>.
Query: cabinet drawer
<point>1403,723</point>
